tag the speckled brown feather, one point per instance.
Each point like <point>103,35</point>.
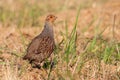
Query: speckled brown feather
<point>42,45</point>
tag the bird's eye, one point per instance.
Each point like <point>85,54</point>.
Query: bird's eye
<point>50,16</point>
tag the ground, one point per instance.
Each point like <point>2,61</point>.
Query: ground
<point>87,36</point>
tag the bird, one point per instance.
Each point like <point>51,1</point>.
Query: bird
<point>43,45</point>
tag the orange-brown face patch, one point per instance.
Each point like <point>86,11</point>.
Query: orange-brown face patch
<point>51,18</point>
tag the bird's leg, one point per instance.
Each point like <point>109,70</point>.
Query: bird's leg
<point>51,62</point>
<point>51,66</point>
<point>36,65</point>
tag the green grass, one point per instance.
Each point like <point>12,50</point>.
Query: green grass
<point>92,61</point>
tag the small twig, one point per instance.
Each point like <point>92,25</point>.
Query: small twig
<point>113,28</point>
<point>76,65</point>
<point>103,30</point>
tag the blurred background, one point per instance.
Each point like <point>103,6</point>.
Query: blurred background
<point>87,35</point>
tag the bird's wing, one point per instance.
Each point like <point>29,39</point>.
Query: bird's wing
<point>45,48</point>
<point>33,46</point>
<point>41,45</point>
<point>46,45</point>
<point>40,48</point>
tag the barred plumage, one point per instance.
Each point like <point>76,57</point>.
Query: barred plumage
<point>42,46</point>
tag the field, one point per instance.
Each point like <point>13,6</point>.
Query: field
<point>87,36</point>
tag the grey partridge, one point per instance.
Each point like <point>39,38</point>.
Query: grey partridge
<point>42,46</point>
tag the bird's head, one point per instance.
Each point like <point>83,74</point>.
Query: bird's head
<point>51,18</point>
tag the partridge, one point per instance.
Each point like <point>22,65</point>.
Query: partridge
<point>42,46</point>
